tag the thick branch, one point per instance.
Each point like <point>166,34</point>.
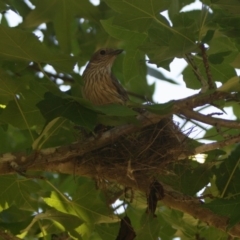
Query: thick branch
<point>64,153</point>
<point>7,236</point>
<point>209,120</point>
<point>172,199</point>
<point>70,159</point>
<point>211,146</point>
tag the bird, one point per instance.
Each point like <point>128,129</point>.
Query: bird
<point>101,87</point>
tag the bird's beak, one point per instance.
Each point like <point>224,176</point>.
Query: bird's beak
<point>117,51</point>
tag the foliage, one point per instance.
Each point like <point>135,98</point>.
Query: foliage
<point>41,104</point>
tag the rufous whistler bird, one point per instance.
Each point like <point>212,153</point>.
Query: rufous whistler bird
<point>100,85</point>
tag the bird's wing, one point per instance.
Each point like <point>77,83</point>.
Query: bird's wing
<point>122,92</point>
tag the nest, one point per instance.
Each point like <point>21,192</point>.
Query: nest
<point>147,151</point>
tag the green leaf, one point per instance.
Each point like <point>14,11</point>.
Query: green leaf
<point>14,140</point>
<point>227,208</point>
<point>8,87</point>
<point>160,76</point>
<point>236,62</point>
<point>221,44</point>
<point>20,8</point>
<point>21,115</point>
<point>82,204</point>
<point>232,85</point>
<point>19,45</point>
<point>190,177</point>
<point>134,66</point>
<point>231,6</point>
<point>53,106</point>
<point>19,192</point>
<point>62,14</point>
<point>116,110</point>
<point>220,72</point>
<point>21,112</point>
<point>212,233</point>
<point>14,219</point>
<point>164,108</point>
<point>67,221</point>
<point>208,37</point>
<point>235,108</point>
<point>227,174</point>
<point>3,6</point>
<point>137,15</point>
<point>165,43</point>
<point>132,38</point>
<point>107,231</point>
<point>55,133</point>
<point>149,226</point>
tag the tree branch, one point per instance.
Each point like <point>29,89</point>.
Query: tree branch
<point>64,153</point>
<point>212,146</point>
<point>189,59</point>
<point>211,84</point>
<point>71,160</point>
<point>172,199</point>
<point>209,120</point>
<point>7,236</point>
<point>63,77</point>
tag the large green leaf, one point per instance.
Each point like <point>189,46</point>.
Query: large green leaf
<point>137,15</point>
<point>19,45</point>
<point>227,208</point>
<point>14,140</point>
<point>14,219</point>
<point>220,72</point>
<point>53,217</point>
<point>53,106</point>
<point>18,191</point>
<point>9,87</point>
<point>57,132</point>
<point>227,174</point>
<point>21,111</point>
<point>189,178</point>
<point>132,38</point>
<point>231,6</point>
<point>87,204</point>
<point>62,14</point>
<point>149,226</point>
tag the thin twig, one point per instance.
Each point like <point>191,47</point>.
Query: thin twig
<point>211,84</point>
<point>197,73</point>
<point>65,78</point>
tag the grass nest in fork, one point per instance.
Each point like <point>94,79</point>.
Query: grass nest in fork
<point>147,151</point>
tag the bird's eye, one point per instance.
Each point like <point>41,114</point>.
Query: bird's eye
<point>102,52</point>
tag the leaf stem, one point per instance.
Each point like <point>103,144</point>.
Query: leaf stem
<point>229,179</point>
<point>59,192</point>
<point>24,118</point>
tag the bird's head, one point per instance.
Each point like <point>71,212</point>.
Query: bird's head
<point>104,58</point>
